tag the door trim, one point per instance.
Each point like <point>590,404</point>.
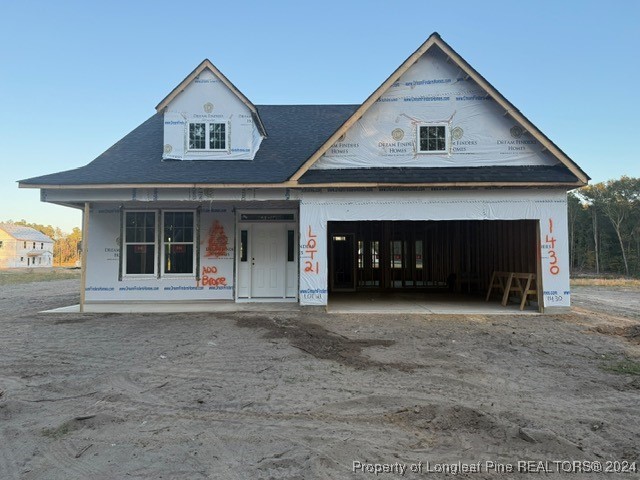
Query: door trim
<point>291,269</point>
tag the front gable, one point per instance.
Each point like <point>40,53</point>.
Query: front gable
<point>436,112</point>
<point>208,119</point>
<point>434,96</point>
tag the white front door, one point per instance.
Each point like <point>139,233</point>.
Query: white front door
<point>268,250</point>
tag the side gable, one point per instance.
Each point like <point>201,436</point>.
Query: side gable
<point>435,86</point>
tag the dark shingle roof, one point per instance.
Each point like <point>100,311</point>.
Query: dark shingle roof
<point>295,133</point>
<point>502,174</point>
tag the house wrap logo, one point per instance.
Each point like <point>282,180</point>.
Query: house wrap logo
<point>516,131</point>
<point>208,107</point>
<point>457,133</point>
<point>397,134</point>
<point>168,148</point>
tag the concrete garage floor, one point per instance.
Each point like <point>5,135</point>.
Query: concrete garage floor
<point>421,302</point>
<point>351,302</point>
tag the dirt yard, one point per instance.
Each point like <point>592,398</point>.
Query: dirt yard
<point>304,396</point>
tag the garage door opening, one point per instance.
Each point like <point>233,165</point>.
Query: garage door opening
<point>441,261</point>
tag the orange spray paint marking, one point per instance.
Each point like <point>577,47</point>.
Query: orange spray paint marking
<point>311,250</point>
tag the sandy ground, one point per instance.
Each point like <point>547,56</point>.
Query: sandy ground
<point>303,396</point>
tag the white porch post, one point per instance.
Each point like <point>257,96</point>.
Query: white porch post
<point>83,258</point>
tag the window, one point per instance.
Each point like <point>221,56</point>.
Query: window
<point>178,242</point>
<point>25,245</point>
<point>217,136</point>
<point>140,247</point>
<point>41,246</point>
<point>197,136</point>
<point>207,136</point>
<point>243,245</point>
<point>396,254</point>
<point>150,245</point>
<point>267,217</point>
<point>34,245</point>
<point>432,138</point>
<point>1,244</point>
<point>375,257</point>
<point>290,246</point>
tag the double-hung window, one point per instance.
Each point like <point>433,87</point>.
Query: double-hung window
<point>208,136</point>
<point>433,139</point>
<point>140,243</point>
<point>178,242</point>
<point>144,249</point>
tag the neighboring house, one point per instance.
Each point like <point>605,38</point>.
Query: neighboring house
<point>24,247</point>
<point>433,183</point>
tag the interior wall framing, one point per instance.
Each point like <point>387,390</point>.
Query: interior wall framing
<point>457,255</point>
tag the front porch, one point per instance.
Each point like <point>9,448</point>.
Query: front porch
<point>179,307</point>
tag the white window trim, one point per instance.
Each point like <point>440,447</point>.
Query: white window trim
<point>207,137</point>
<point>193,242</point>
<point>125,243</point>
<point>159,244</point>
<point>447,139</point>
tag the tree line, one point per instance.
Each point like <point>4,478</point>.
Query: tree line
<point>66,246</point>
<point>604,227</point>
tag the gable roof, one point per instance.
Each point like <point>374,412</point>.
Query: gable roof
<point>207,65</point>
<point>434,40</point>
<point>136,160</point>
<point>20,232</point>
<point>299,136</point>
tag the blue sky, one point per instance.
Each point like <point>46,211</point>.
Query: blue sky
<point>77,76</point>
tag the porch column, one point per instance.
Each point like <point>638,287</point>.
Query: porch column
<point>83,258</point>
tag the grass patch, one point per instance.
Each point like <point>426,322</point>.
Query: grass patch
<point>16,277</point>
<point>624,367</point>
<point>59,432</point>
<point>605,282</point>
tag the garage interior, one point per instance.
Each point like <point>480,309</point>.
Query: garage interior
<point>428,263</point>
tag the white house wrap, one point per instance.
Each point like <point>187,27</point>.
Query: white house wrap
<point>435,92</point>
